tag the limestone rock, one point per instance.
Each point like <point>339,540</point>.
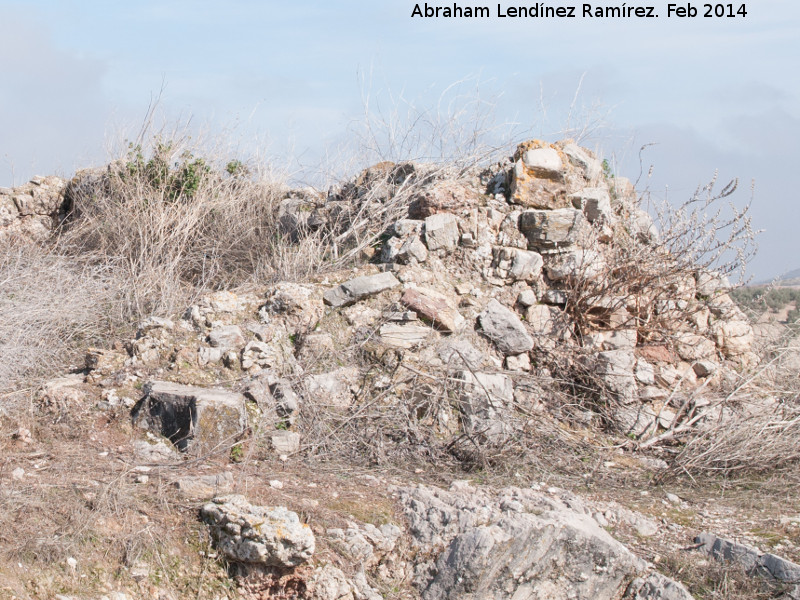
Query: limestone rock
<point>576,265</point>
<point>154,451</point>
<point>526,298</point>
<point>333,388</point>
<point>692,347</point>
<point>259,355</point>
<point>442,196</point>
<point>460,354</point>
<point>486,400</point>
<point>316,347</point>
<point>710,284</point>
<point>299,306</point>
<point>581,158</point>
<point>32,210</point>
<point>441,232</point>
<point>154,324</point>
<point>269,536</point>
<point>595,203</point>
<point>549,229</point>
<point>404,250</point>
<point>226,337</point>
<point>548,324</point>
<point>62,393</point>
<point>526,265</point>
<point>734,337</point>
<point>330,583</point>
<point>641,225</point>
<point>502,325</point>
<point>518,543</point>
<point>201,418</point>
<point>285,442</point>
<point>615,368</point>
<point>223,301</point>
<point>754,562</point>
<point>359,288</point>
<point>656,587</point>
<point>543,162</point>
<point>538,178</point>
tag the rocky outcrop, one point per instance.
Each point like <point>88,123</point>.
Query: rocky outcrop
<point>258,535</point>
<point>32,210</point>
<point>520,543</point>
<point>755,563</point>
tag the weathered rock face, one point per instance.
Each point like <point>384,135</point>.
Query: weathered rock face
<point>299,306</point>
<point>33,210</point>
<point>519,543</point>
<point>192,417</point>
<point>538,177</point>
<point>550,229</point>
<point>486,400</point>
<point>442,197</point>
<point>441,232</point>
<point>502,325</point>
<point>258,535</point>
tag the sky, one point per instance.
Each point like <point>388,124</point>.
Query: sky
<point>294,81</point>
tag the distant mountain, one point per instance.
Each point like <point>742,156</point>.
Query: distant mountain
<point>791,275</point>
<point>790,278</point>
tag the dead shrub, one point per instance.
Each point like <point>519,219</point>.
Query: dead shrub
<point>51,306</point>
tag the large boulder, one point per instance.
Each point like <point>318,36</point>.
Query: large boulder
<point>441,232</point>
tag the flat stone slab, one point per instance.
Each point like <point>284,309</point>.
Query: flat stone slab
<point>205,486</point>
<point>403,336</point>
<point>433,307</point>
<point>359,288</point>
<point>202,419</point>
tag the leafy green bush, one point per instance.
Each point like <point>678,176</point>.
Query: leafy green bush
<point>177,179</point>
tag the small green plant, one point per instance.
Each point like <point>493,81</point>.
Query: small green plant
<point>607,172</point>
<point>180,180</point>
<point>237,453</point>
<point>237,168</point>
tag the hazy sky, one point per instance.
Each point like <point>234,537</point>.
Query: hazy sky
<point>711,94</point>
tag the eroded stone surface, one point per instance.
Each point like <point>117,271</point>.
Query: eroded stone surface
<point>269,536</point>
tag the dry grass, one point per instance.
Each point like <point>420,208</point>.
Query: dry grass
<point>50,307</point>
<point>758,426</point>
<point>172,226</point>
<point>708,579</point>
